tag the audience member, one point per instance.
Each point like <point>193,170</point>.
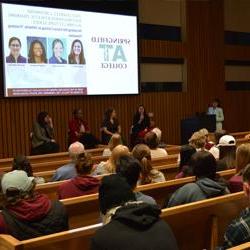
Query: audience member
<point>198,141</point>
<point>79,131</point>
<point>148,174</point>
<point>215,150</point>
<point>27,214</point>
<point>130,168</point>
<point>109,167</point>
<point>110,125</point>
<point>43,141</point>
<point>153,142</point>
<point>227,148</point>
<point>185,169</point>
<point>129,224</point>
<point>83,183</point>
<point>114,141</point>
<point>68,171</point>
<point>206,185</point>
<point>242,159</point>
<point>238,232</point>
<point>20,162</point>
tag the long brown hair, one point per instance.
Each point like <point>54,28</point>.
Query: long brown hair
<point>242,157</point>
<point>142,153</point>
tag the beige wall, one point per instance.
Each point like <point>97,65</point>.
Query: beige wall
<point>161,12</point>
<point>237,73</point>
<point>237,15</point>
<point>161,72</point>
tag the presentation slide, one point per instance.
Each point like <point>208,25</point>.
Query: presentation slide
<point>50,51</point>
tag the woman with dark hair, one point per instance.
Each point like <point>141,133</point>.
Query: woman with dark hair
<point>185,169</point>
<point>57,49</point>
<point>76,55</point>
<point>110,125</point>
<point>79,131</point>
<point>215,109</point>
<point>15,55</point>
<point>206,186</point>
<point>141,122</point>
<point>20,162</point>
<point>43,141</point>
<point>37,52</point>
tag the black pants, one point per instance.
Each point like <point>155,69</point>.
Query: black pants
<point>89,140</point>
<point>45,148</point>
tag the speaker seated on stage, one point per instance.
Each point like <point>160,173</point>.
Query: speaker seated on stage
<point>80,131</point>
<point>43,141</point>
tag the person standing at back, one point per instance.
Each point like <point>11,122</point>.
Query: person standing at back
<point>216,110</point>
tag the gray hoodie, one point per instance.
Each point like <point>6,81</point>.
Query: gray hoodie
<point>202,189</point>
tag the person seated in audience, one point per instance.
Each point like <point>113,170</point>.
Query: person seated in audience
<point>68,171</point>
<point>185,169</point>
<point>209,143</point>
<point>114,141</point>
<point>130,168</point>
<point>215,150</point>
<point>152,141</point>
<point>20,162</point>
<point>110,125</point>
<point>238,232</point>
<point>79,131</point>
<point>129,224</point>
<point>148,174</point>
<point>109,167</point>
<point>43,141</point>
<point>83,183</point>
<point>141,123</point>
<point>206,186</point>
<point>227,148</point>
<point>242,159</point>
<point>198,141</point>
<point>27,214</point>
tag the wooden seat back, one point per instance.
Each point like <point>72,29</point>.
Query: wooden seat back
<point>196,226</point>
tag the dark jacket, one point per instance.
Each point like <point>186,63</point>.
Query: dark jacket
<point>41,134</point>
<point>33,218</point>
<point>135,227</point>
<point>80,185</point>
<point>202,189</point>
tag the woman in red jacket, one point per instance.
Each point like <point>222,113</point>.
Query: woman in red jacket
<point>79,131</point>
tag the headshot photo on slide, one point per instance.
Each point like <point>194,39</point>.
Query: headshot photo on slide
<point>57,51</point>
<point>76,55</point>
<point>37,49</point>
<point>14,56</point>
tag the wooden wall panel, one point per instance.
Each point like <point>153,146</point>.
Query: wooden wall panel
<point>204,51</point>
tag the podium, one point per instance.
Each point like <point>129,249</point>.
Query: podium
<point>193,124</point>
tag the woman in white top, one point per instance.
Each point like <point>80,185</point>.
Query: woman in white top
<point>216,110</point>
<point>153,142</point>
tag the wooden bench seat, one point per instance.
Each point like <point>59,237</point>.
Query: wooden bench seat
<point>244,246</point>
<point>198,225</point>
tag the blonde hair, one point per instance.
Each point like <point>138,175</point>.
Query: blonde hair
<point>197,140</point>
<point>117,152</point>
<point>142,153</point>
<point>114,141</point>
<point>242,157</point>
